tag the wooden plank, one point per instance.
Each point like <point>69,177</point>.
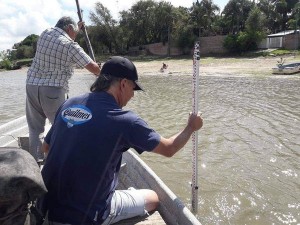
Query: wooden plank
<point>153,219</point>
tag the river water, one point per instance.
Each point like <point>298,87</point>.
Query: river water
<point>249,146</point>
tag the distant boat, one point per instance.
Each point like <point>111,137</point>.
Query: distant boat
<point>287,69</point>
<point>134,173</point>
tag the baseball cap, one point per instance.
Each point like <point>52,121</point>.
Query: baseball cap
<point>118,66</point>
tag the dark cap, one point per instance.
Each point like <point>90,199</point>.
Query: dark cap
<point>121,67</point>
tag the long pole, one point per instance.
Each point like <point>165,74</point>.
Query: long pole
<point>195,99</point>
<point>86,37</point>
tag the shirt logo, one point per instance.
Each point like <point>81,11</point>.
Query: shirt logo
<point>76,114</point>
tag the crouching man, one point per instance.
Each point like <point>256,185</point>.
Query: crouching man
<point>85,147</point>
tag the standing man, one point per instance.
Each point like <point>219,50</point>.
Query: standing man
<point>47,79</point>
<point>85,146</point>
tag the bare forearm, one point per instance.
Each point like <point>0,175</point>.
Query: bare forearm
<point>93,68</point>
<point>169,146</point>
<point>179,140</point>
<point>45,147</point>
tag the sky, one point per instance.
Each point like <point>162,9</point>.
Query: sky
<point>20,18</point>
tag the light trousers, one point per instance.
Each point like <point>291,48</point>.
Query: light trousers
<point>42,102</point>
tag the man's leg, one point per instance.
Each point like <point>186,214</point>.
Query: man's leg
<point>51,98</point>
<point>35,120</point>
<point>42,102</point>
<point>130,203</point>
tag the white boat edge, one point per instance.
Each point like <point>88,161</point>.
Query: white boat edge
<point>172,209</point>
<point>9,132</point>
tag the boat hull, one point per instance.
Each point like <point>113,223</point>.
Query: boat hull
<point>287,69</point>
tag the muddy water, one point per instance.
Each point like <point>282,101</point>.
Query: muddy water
<point>249,147</point>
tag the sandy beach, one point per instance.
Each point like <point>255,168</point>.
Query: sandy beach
<point>257,66</point>
<point>260,66</point>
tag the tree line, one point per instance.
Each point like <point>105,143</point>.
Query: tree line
<point>245,22</point>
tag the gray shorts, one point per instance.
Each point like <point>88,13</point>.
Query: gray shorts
<point>125,204</point>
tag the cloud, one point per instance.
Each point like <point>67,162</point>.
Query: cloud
<point>20,18</point>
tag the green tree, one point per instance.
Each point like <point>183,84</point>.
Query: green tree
<point>256,22</point>
<point>163,22</point>
<point>104,20</point>
<point>140,20</point>
<point>203,14</point>
<point>231,43</point>
<point>279,13</point>
<point>235,14</point>
<point>25,48</point>
<point>24,51</point>
<point>268,8</point>
<point>294,21</point>
<point>182,32</point>
<point>220,26</point>
<point>5,62</point>
<point>30,40</point>
<point>250,38</point>
<point>148,22</point>
<point>281,9</point>
<point>100,40</point>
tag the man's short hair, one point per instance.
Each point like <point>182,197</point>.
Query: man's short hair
<point>64,22</point>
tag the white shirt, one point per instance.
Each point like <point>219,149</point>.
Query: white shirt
<point>55,58</point>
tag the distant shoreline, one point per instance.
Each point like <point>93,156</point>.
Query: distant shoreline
<point>233,66</point>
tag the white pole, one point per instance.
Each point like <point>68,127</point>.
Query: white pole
<point>195,88</point>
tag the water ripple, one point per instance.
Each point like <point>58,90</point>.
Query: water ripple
<point>249,146</point>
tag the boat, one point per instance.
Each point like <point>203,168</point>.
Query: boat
<point>286,69</point>
<point>134,173</point>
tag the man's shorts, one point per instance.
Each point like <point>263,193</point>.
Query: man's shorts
<point>124,204</point>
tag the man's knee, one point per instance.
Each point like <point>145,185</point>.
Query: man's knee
<point>151,199</point>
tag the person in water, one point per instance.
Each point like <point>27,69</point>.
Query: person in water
<point>164,67</point>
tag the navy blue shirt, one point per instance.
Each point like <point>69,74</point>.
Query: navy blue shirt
<point>87,140</point>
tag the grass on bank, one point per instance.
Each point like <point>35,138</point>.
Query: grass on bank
<point>13,65</point>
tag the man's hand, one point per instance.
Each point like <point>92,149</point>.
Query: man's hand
<point>80,24</point>
<point>195,121</point>
<point>99,64</point>
<point>169,146</point>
